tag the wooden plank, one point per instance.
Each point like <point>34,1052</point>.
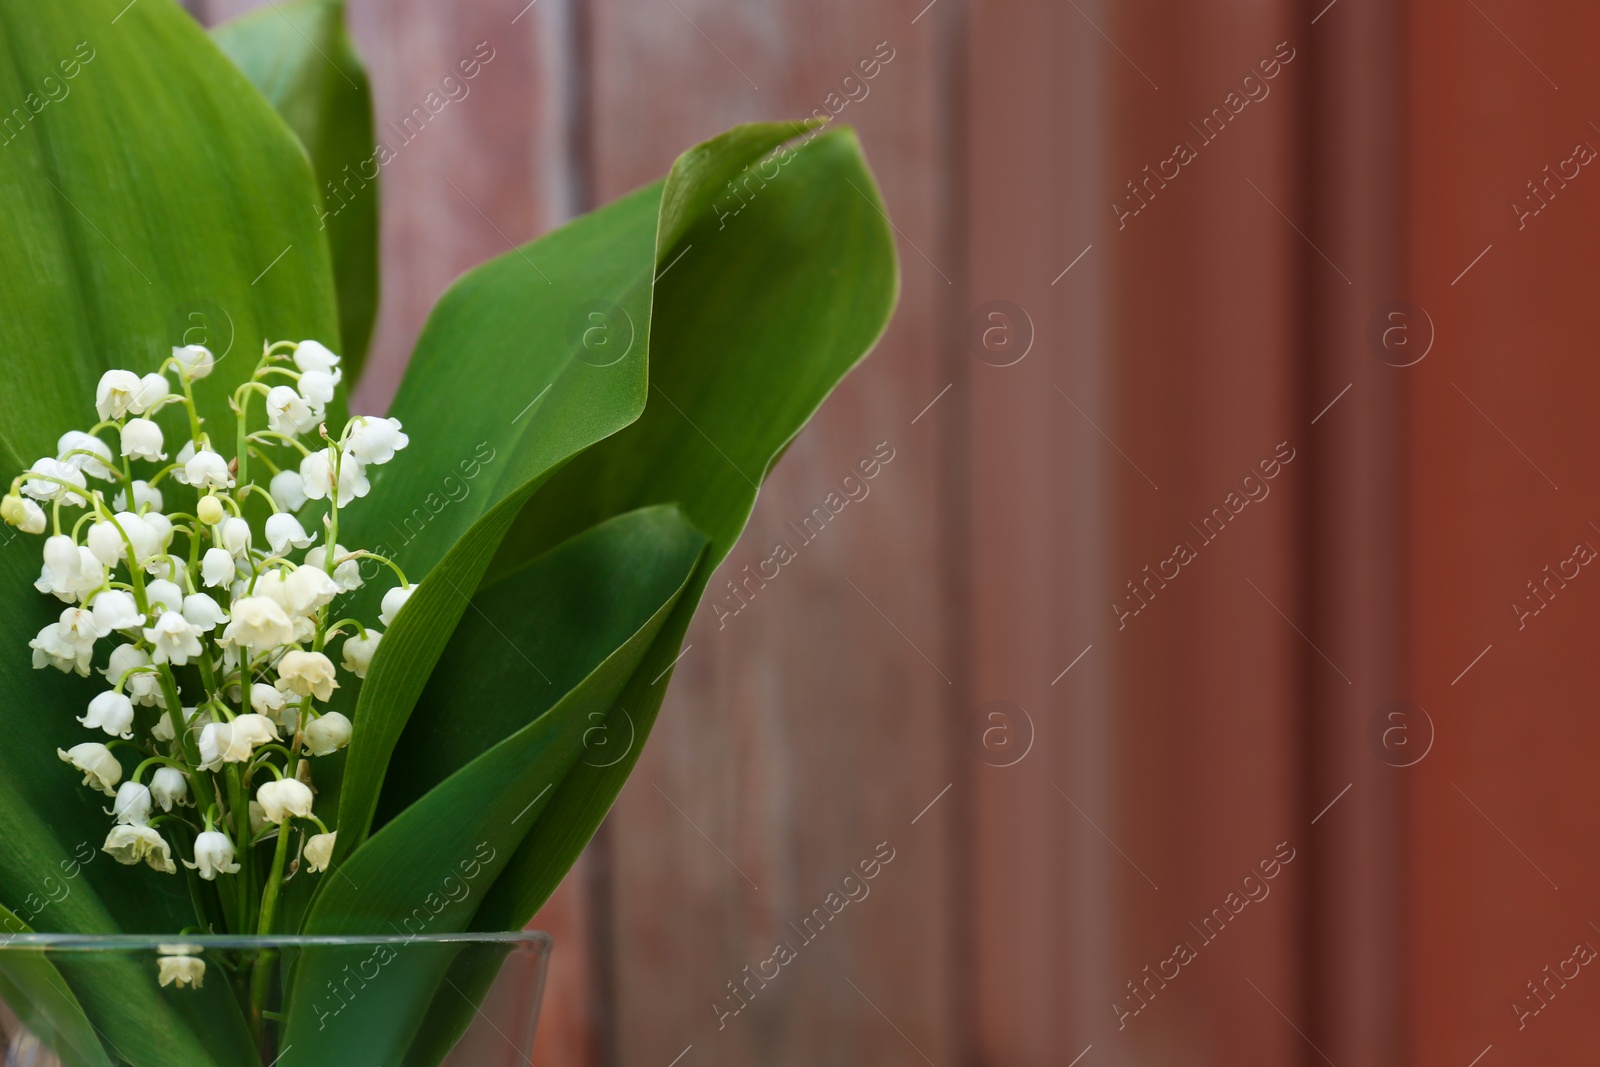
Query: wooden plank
<point>1502,415</point>
<point>1167,760</point>
<point>807,731</point>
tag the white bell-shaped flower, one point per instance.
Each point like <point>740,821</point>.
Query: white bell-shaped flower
<point>203,612</point>
<point>130,844</point>
<point>150,533</point>
<point>132,805</point>
<point>169,788</point>
<point>259,623</point>
<point>284,798</point>
<point>283,531</point>
<point>79,628</point>
<point>346,571</point>
<point>307,674</point>
<point>176,640</point>
<point>327,733</point>
<point>254,730</point>
<point>194,361</point>
<point>359,650</point>
<point>154,392</point>
<point>112,712</point>
<point>268,700</point>
<point>290,413</point>
<point>99,767</point>
<point>393,601</point>
<point>145,496</point>
<point>375,440</point>
<point>115,610</point>
<point>116,392</point>
<point>141,439</point>
<point>25,515</point>
<point>50,649</point>
<point>205,470</point>
<point>288,490</point>
<point>319,851</point>
<point>52,472</point>
<point>163,595</point>
<point>182,970</point>
<point>316,472</point>
<point>106,542</point>
<point>71,449</point>
<point>217,567</point>
<point>124,669</point>
<point>315,356</point>
<point>62,561</point>
<point>234,535</point>
<point>317,387</point>
<point>213,855</point>
<point>309,589</point>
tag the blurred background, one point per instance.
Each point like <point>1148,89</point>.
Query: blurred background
<point>1212,654</point>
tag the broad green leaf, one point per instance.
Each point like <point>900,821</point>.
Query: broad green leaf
<point>301,57</point>
<point>149,197</point>
<point>35,990</point>
<point>588,610</point>
<point>759,318</point>
<point>495,399</point>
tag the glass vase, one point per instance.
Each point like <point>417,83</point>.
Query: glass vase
<point>462,1000</point>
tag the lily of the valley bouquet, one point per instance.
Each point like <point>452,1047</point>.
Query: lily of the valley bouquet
<point>305,713</point>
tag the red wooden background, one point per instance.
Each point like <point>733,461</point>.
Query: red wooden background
<point>1170,325</point>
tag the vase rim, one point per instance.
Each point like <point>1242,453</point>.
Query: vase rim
<point>170,944</point>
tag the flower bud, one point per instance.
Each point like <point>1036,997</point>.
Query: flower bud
<point>210,510</point>
<point>25,515</point>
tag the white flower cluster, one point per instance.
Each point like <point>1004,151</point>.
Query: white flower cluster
<point>214,616</point>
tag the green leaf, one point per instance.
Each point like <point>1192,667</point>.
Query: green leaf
<point>755,324</point>
<point>34,989</point>
<point>587,611</point>
<point>495,399</point>
<point>301,57</point>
